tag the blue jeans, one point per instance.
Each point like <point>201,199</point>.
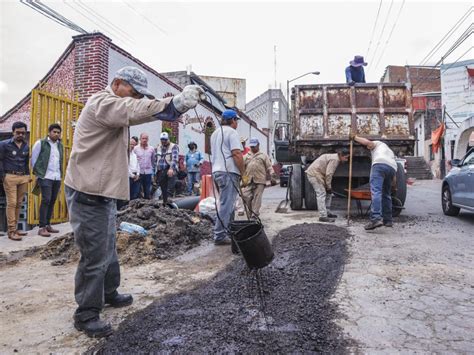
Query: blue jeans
<point>381,177</point>
<point>227,184</point>
<point>193,177</point>
<point>134,189</point>
<point>145,182</point>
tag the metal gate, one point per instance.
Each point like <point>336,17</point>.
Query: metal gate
<point>48,108</point>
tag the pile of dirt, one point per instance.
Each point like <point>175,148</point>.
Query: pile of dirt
<point>170,232</point>
<point>225,315</point>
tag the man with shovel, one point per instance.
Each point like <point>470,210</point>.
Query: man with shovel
<point>320,174</point>
<point>96,177</point>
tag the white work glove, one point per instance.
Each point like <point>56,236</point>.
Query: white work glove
<point>188,98</point>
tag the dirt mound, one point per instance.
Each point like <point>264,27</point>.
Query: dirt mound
<point>225,315</point>
<point>170,232</point>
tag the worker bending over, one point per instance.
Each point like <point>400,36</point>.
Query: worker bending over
<point>384,169</point>
<point>320,174</point>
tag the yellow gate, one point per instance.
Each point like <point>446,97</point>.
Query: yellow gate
<point>48,108</point>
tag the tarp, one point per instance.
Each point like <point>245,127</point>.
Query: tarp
<point>436,136</point>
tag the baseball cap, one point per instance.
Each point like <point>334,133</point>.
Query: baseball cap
<point>229,115</point>
<point>253,142</point>
<point>164,135</point>
<point>135,77</point>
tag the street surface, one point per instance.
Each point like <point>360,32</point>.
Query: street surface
<point>407,289</point>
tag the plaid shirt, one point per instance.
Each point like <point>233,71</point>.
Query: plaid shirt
<point>165,155</point>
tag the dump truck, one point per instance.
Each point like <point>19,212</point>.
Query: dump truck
<point>320,122</point>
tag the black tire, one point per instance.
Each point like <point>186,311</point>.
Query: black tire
<point>397,207</point>
<point>282,184</point>
<point>401,177</point>
<point>447,203</point>
<point>296,187</point>
<point>310,200</point>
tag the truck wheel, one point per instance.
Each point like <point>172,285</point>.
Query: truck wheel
<point>310,200</point>
<point>397,207</point>
<point>296,187</point>
<point>401,184</point>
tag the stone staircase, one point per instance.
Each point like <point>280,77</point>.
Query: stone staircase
<point>418,168</point>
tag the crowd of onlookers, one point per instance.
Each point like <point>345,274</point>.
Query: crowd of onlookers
<point>159,172</point>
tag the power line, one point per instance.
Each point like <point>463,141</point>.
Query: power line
<point>460,40</point>
<point>145,18</point>
<point>457,60</point>
<point>446,36</point>
<point>111,34</point>
<point>373,30</point>
<point>390,35</point>
<point>52,15</point>
<point>383,30</point>
<point>103,19</point>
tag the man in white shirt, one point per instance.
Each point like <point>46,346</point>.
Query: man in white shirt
<point>47,162</point>
<point>134,170</point>
<point>227,169</point>
<point>384,169</point>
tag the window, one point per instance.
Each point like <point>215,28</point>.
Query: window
<point>432,156</point>
<point>469,160</point>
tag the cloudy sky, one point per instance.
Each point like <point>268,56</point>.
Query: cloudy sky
<point>236,39</point>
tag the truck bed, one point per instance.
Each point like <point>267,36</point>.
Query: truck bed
<point>325,114</point>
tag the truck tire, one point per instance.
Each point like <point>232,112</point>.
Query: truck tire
<point>399,197</point>
<point>296,187</point>
<point>401,184</point>
<point>310,200</point>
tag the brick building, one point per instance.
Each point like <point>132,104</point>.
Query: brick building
<point>422,79</point>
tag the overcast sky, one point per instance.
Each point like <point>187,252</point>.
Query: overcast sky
<point>235,39</point>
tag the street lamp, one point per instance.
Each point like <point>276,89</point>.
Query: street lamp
<point>288,91</point>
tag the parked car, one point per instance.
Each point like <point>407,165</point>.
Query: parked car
<point>458,186</point>
<point>285,175</point>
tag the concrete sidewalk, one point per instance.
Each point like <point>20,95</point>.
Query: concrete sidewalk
<point>8,246</point>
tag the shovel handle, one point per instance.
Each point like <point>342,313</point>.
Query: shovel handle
<point>349,190</point>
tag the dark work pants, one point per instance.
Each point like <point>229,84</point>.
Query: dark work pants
<point>49,193</point>
<point>98,271</point>
<point>145,182</point>
<point>134,188</point>
<point>166,184</point>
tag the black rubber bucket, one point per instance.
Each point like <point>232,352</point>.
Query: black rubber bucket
<point>234,227</point>
<point>254,245</point>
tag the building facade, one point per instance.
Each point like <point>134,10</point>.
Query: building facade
<point>457,87</point>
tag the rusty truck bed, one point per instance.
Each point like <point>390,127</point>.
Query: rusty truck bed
<point>325,114</point>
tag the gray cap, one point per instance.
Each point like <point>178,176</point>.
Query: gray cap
<point>135,77</point>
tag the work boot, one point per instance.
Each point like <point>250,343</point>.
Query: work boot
<point>332,215</point>
<point>326,219</point>
<point>119,300</point>
<point>13,236</point>
<point>373,225</point>
<point>51,229</point>
<point>224,241</point>
<point>94,328</point>
<point>44,232</point>
<point>21,233</point>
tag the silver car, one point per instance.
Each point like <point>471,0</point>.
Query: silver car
<point>458,186</point>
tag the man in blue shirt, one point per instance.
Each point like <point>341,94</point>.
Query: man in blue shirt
<point>355,71</point>
<point>15,173</point>
<point>193,162</point>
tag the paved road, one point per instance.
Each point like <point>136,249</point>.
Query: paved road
<point>406,289</point>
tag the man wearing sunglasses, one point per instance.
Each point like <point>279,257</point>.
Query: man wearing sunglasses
<point>15,172</point>
<point>96,177</point>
